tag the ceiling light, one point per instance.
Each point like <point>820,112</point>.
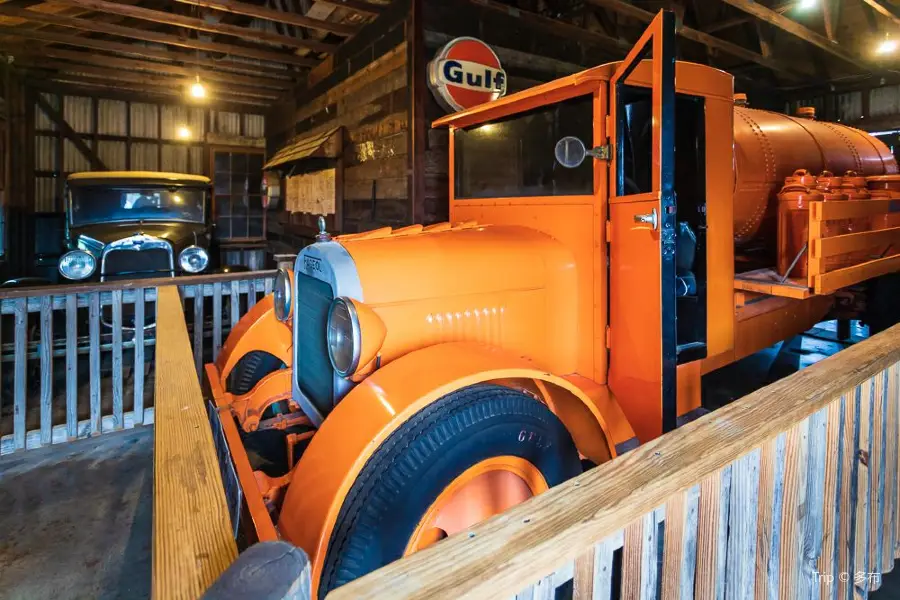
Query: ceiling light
<point>198,90</point>
<point>887,46</point>
<point>807,4</point>
<point>184,133</point>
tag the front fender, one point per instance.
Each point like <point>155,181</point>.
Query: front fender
<point>381,403</point>
<point>259,329</point>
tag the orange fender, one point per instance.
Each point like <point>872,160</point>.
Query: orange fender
<point>259,329</point>
<point>381,403</point>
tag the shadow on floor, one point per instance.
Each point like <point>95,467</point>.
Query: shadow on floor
<point>76,520</point>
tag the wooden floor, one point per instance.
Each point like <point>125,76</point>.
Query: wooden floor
<point>76,519</point>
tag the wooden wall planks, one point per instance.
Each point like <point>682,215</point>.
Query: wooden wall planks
<point>790,492</point>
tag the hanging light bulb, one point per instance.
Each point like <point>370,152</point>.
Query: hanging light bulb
<point>807,4</point>
<point>887,46</point>
<point>198,90</point>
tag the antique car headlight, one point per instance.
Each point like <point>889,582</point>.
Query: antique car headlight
<point>355,335</point>
<point>77,264</point>
<point>193,259</point>
<point>282,294</point>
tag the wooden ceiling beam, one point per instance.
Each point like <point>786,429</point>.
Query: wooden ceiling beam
<point>170,18</point>
<point>768,15</point>
<point>884,10</point>
<point>276,16</point>
<point>105,82</point>
<point>155,37</point>
<point>141,65</point>
<point>629,10</point>
<point>164,80</point>
<point>357,6</point>
<point>728,24</point>
<point>137,50</point>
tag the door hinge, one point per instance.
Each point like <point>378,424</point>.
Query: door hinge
<point>601,152</point>
<point>608,345</point>
<point>608,231</point>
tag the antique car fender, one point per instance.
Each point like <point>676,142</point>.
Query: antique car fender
<point>258,330</point>
<point>381,403</point>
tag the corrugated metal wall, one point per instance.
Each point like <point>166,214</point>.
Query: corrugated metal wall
<point>137,136</point>
<point>882,103</point>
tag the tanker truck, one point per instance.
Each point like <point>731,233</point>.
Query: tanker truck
<point>613,235</point>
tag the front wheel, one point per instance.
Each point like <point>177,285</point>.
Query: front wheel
<point>470,455</point>
<point>250,370</point>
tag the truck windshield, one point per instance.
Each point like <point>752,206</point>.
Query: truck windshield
<point>101,204</point>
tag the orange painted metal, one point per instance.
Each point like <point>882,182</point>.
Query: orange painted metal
<point>483,490</point>
<point>259,329</point>
<point>793,222</point>
<point>885,187</point>
<point>249,408</point>
<point>382,403</point>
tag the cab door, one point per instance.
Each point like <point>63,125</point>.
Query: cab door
<point>642,215</point>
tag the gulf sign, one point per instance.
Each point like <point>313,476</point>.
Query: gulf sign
<point>466,73</point>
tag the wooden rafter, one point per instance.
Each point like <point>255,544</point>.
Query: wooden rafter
<point>884,10</point>
<point>270,14</point>
<point>137,50</point>
<point>357,6</point>
<point>773,18</point>
<point>159,38</point>
<point>167,80</point>
<point>629,10</point>
<point>729,23</point>
<point>128,64</point>
<point>69,133</point>
<point>170,18</point>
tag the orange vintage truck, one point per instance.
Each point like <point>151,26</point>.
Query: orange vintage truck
<point>614,235</point>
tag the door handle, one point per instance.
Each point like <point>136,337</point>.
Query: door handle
<point>651,218</point>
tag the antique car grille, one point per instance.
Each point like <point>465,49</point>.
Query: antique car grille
<point>136,264</point>
<point>315,376</point>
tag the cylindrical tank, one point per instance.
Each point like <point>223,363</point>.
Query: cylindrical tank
<point>768,147</point>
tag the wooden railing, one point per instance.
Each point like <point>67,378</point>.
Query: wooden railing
<point>193,539</point>
<point>72,364</point>
<point>790,492</point>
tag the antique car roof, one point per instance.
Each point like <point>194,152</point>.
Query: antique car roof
<point>137,175</point>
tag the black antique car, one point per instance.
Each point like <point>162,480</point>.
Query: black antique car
<point>136,224</point>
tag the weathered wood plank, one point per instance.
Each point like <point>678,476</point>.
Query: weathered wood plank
<point>603,565</point>
<point>893,466</point>
<point>689,549</point>
<point>631,560</point>
<point>94,369</point>
<point>117,404</point>
<point>847,508</point>
<point>61,434</point>
<point>812,517</point>
<point>795,457</point>
<point>708,536</point>
<point>650,555</point>
<point>19,372</point>
<point>198,333</point>
<point>742,538</point>
<point>828,561</point>
<point>251,299</point>
<point>71,365</point>
<point>188,552</point>
<point>771,483</point>
<point>673,549</point>
<point>876,477</point>
<point>217,320</point>
<point>235,304</point>
<point>46,353</point>
<point>583,580</point>
<point>139,318</point>
<point>722,534</point>
<point>863,497</point>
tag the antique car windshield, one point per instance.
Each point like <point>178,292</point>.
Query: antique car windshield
<point>514,156</point>
<point>91,204</point>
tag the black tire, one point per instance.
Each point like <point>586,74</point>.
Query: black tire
<point>251,369</point>
<point>415,463</point>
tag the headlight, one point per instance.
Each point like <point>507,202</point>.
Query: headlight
<point>77,264</point>
<point>282,294</point>
<point>193,259</point>
<point>343,337</point>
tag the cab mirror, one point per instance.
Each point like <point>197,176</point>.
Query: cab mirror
<point>570,152</point>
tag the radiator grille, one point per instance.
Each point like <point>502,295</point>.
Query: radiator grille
<point>315,376</point>
<point>136,264</point>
